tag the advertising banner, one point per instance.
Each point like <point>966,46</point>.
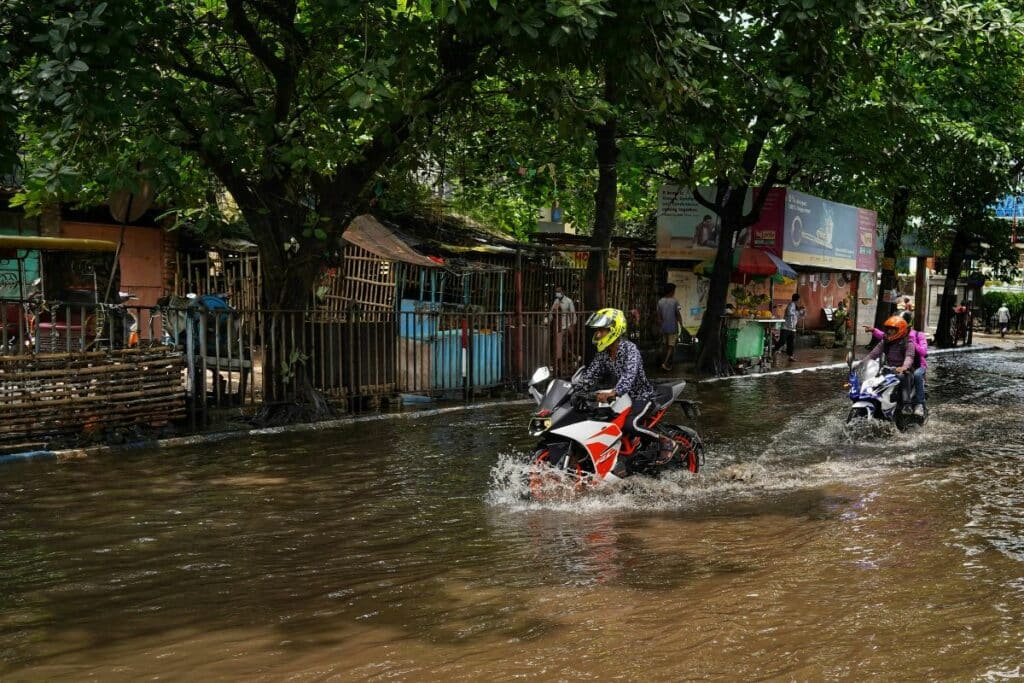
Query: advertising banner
<point>766,233</point>
<point>1010,207</point>
<point>828,234</point>
<point>688,230</point>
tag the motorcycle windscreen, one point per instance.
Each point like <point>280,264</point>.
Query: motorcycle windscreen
<point>558,391</point>
<point>867,369</point>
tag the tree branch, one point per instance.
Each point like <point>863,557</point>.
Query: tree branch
<point>240,21</point>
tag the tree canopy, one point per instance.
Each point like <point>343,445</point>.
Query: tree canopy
<point>306,113</point>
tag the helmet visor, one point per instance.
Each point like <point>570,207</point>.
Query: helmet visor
<point>600,319</point>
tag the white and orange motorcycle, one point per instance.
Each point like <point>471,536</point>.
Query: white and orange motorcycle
<point>582,444</point>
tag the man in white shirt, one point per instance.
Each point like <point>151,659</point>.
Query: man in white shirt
<point>562,317</point>
<point>1003,316</point>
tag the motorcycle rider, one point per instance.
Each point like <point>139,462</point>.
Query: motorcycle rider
<point>621,358</point>
<point>920,342</point>
<point>900,355</point>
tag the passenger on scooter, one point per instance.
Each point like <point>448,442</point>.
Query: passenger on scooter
<point>920,342</point>
<point>901,356</point>
<point>621,358</point>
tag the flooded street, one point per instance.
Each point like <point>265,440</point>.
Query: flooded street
<point>401,549</point>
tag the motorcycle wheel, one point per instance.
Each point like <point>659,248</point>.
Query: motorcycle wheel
<point>550,477</point>
<point>691,448</point>
<point>858,414</point>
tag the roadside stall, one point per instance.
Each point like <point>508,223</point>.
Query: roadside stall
<point>749,324</point>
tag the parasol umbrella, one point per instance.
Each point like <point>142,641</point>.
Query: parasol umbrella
<point>752,262</point>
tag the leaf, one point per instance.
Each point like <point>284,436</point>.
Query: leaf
<point>78,65</point>
<point>494,4</point>
<point>358,99</point>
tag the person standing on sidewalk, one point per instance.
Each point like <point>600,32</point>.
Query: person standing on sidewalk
<point>1003,316</point>
<point>670,317</point>
<point>794,311</point>
<point>562,317</point>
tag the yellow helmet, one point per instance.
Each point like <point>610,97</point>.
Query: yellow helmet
<point>611,318</point>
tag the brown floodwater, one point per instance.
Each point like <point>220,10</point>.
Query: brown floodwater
<point>401,550</point>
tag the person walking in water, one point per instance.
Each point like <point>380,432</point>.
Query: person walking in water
<point>670,317</point>
<point>794,311</point>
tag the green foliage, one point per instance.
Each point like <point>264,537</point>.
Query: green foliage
<point>991,301</point>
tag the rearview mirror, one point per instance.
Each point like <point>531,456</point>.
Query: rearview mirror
<point>540,375</point>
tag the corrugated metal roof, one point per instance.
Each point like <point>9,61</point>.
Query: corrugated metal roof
<point>367,232</point>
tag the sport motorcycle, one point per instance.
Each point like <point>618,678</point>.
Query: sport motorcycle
<point>582,444</point>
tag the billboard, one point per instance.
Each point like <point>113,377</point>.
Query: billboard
<point>688,230</point>
<point>828,234</point>
<point>1010,207</point>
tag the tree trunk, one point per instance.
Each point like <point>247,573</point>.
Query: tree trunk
<point>957,253</point>
<point>893,240</point>
<point>605,198</point>
<point>710,358</point>
<point>288,278</point>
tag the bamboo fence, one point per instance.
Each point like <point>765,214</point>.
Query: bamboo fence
<point>76,395</point>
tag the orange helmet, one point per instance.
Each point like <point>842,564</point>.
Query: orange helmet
<point>896,328</point>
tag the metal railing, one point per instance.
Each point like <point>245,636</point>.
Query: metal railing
<point>244,358</point>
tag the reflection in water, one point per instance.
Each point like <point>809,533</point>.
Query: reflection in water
<point>802,552</point>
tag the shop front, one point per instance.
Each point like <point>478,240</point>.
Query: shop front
<point>831,246</point>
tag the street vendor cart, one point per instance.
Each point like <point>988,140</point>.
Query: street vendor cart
<point>748,341</point>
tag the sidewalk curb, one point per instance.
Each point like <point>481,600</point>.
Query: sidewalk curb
<point>216,437</point>
<point>836,366</point>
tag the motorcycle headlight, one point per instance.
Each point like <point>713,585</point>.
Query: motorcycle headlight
<point>539,425</point>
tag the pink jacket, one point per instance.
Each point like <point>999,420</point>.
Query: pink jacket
<point>920,344</point>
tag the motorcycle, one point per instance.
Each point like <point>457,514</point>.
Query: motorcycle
<point>877,395</point>
<point>178,312</point>
<point>582,444</point>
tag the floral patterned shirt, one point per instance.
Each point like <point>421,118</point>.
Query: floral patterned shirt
<point>628,368</point>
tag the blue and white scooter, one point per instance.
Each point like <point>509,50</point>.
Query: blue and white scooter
<point>876,395</point>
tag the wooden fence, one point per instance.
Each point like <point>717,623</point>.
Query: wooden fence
<point>73,397</point>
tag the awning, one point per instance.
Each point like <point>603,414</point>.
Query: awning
<point>8,242</point>
<point>367,233</point>
<point>477,249</point>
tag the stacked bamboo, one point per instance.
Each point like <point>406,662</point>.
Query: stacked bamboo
<point>81,395</point>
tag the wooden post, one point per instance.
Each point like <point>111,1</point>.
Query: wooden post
<point>519,313</point>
